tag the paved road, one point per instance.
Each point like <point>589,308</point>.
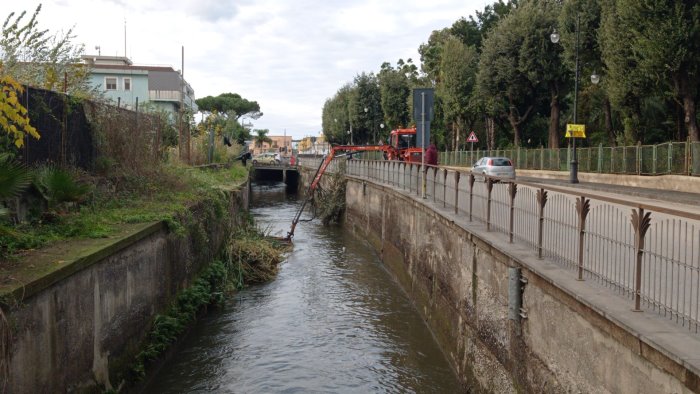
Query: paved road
<point>655,194</point>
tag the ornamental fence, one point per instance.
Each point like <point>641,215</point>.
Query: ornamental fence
<point>648,254</point>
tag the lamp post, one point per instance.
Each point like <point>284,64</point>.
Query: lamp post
<point>595,78</point>
<point>366,112</point>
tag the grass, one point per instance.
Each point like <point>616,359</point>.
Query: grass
<point>119,200</point>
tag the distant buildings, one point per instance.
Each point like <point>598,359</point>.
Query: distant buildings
<point>281,144</point>
<point>124,83</point>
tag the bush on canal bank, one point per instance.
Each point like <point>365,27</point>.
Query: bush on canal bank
<point>330,201</point>
<point>248,257</point>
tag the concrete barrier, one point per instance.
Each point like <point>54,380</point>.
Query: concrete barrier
<point>544,332</point>
<point>80,327</point>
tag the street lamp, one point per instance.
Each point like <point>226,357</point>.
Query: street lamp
<point>366,111</point>
<point>595,78</point>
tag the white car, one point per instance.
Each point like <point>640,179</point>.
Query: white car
<point>501,167</point>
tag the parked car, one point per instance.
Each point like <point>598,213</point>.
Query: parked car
<point>265,158</point>
<point>501,167</point>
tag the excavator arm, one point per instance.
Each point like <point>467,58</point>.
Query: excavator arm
<point>335,152</point>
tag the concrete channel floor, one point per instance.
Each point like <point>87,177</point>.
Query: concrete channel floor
<point>674,340</point>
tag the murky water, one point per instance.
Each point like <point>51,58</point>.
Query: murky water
<point>332,321</point>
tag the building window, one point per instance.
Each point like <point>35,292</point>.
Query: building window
<point>111,83</point>
<point>127,84</point>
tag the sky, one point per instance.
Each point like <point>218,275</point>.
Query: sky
<point>288,55</point>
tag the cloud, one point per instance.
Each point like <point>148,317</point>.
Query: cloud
<point>288,56</point>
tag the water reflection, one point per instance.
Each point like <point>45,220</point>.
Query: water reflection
<point>332,321</point>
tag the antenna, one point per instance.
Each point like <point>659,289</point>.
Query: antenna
<point>124,37</point>
<point>98,49</point>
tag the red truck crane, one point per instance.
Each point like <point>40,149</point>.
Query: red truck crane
<point>402,146</point>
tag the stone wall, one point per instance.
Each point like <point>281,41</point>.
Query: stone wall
<point>569,337</point>
<point>81,330</point>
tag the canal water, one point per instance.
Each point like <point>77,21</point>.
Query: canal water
<point>332,321</point>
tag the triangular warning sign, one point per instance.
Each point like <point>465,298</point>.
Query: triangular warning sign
<point>472,137</point>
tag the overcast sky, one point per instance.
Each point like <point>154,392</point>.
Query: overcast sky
<point>288,55</point>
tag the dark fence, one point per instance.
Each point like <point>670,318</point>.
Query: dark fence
<point>66,136</point>
<point>88,134</point>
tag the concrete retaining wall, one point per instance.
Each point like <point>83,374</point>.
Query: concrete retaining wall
<point>457,273</point>
<point>80,330</point>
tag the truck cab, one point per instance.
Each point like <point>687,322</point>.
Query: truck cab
<point>404,144</point>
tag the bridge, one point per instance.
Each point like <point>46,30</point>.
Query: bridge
<point>276,172</point>
<point>626,256</point>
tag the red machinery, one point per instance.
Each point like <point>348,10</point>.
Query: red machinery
<point>402,146</point>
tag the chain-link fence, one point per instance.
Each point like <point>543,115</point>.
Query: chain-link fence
<point>679,158</point>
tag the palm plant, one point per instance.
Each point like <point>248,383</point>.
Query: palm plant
<point>58,185</point>
<point>262,137</point>
<point>14,178</point>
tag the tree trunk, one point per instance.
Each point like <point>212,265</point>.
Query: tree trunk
<point>490,133</point>
<point>680,123</point>
<point>691,123</point>
<point>554,119</point>
<point>515,125</point>
<point>685,90</point>
<point>607,109</point>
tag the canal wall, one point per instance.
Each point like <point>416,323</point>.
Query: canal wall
<point>80,327</point>
<point>543,332</point>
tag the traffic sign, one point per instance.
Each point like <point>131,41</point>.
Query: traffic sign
<point>472,137</point>
<point>575,130</point>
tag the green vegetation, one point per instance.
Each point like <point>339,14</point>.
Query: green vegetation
<point>249,257</point>
<point>330,202</point>
<point>498,73</point>
<point>124,199</point>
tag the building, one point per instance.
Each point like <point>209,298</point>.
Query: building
<point>281,144</point>
<point>124,83</point>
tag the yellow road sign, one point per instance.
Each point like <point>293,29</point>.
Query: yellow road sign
<point>575,130</point>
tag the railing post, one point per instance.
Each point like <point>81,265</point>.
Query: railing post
<point>471,194</point>
<point>435,170</point>
<point>489,188</point>
<point>418,182</point>
<point>583,206</point>
<point>640,222</point>
<point>670,158</point>
<point>600,158</point>
<point>512,191</point>
<point>457,175</point>
<point>541,201</point>
<point>444,187</point>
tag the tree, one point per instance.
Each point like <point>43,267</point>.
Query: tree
<point>539,59</point>
<point>626,83</point>
<point>230,103</point>
<point>365,95</point>
<point>395,92</point>
<point>665,41</point>
<point>457,82</point>
<point>13,115</point>
<point>502,86</point>
<point>35,57</point>
<point>335,117</point>
<point>261,137</point>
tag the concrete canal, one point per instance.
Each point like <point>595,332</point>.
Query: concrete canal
<point>332,321</point>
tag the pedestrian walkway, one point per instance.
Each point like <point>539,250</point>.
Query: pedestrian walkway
<point>692,199</point>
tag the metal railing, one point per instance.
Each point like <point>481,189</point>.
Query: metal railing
<point>679,158</point>
<point>649,254</point>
